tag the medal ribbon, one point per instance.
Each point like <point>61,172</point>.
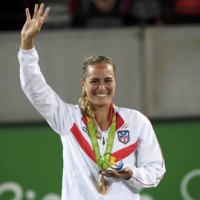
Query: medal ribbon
<point>94,141</point>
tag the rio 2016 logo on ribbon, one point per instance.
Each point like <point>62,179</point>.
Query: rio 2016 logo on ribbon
<point>109,161</point>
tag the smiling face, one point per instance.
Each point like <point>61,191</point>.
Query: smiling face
<point>99,84</point>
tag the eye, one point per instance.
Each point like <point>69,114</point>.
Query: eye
<point>108,80</point>
<point>94,81</point>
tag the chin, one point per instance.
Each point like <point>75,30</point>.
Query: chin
<point>102,104</point>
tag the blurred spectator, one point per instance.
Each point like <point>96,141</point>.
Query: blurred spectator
<point>187,11</point>
<point>180,11</point>
<point>166,15</point>
<point>12,13</point>
<point>102,13</point>
<point>146,11</point>
<point>59,16</point>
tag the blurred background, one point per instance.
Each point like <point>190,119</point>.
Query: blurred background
<point>155,45</point>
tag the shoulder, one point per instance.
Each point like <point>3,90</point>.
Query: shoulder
<point>75,108</point>
<point>70,108</point>
<point>131,114</point>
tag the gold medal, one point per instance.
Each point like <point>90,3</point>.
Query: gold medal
<point>103,186</point>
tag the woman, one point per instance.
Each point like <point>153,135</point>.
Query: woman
<point>96,135</point>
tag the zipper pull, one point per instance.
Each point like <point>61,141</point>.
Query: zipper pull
<point>103,141</point>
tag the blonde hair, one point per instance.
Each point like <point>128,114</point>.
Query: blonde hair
<point>86,107</point>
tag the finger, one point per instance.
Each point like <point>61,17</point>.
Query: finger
<point>40,11</point>
<point>116,174</point>
<point>128,170</point>
<point>45,15</point>
<point>129,173</point>
<point>39,24</point>
<point>126,175</point>
<point>107,174</point>
<point>28,16</point>
<point>35,11</point>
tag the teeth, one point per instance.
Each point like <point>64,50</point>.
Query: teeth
<point>101,95</point>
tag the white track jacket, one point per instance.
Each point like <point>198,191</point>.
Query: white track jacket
<point>135,142</point>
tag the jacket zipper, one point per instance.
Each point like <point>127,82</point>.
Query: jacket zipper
<point>103,142</point>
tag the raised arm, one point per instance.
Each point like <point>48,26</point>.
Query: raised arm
<point>44,99</point>
<point>32,26</point>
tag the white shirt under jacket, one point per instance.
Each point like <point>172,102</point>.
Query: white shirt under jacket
<point>134,138</point>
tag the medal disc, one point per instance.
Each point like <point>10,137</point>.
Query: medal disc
<point>103,186</point>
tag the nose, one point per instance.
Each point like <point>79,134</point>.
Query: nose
<point>101,86</point>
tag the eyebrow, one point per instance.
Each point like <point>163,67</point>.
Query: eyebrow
<point>95,78</point>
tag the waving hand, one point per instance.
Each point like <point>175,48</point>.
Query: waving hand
<point>32,26</point>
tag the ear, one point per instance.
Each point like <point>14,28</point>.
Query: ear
<point>82,84</point>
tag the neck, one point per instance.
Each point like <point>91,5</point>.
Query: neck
<point>102,117</point>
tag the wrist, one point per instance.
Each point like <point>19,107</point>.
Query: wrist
<point>27,44</point>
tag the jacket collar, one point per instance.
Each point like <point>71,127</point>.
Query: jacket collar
<point>119,119</point>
